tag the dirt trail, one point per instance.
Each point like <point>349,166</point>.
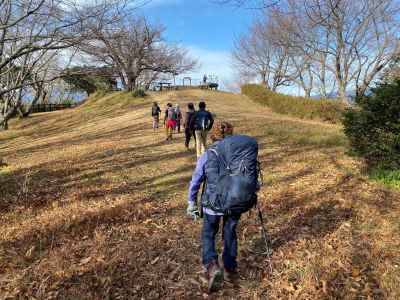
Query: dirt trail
<point>93,207</point>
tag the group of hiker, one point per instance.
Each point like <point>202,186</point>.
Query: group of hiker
<point>197,124</point>
<point>228,173</point>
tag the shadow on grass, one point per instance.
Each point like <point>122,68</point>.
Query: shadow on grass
<point>314,222</point>
<point>153,205</point>
<point>125,133</point>
<point>37,187</point>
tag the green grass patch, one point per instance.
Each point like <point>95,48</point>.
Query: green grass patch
<point>305,108</point>
<point>111,101</point>
<point>4,171</point>
<point>139,93</point>
<point>389,178</point>
<point>306,135</point>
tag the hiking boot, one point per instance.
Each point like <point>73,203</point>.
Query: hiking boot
<point>214,276</point>
<point>231,276</point>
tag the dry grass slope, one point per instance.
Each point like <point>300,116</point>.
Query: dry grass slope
<point>92,207</point>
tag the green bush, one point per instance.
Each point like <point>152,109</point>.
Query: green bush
<point>326,110</point>
<point>139,93</point>
<point>69,102</point>
<point>373,126</point>
<point>387,177</point>
<point>84,79</point>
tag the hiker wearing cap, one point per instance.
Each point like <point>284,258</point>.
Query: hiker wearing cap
<point>228,172</point>
<point>178,114</point>
<point>202,122</point>
<point>155,113</point>
<point>189,132</point>
<point>169,120</point>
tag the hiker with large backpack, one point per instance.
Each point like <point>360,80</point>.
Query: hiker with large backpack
<point>155,113</point>
<point>229,172</point>
<point>202,122</point>
<point>169,121</point>
<point>189,132</point>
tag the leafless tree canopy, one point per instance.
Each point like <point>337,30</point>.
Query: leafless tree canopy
<point>35,33</point>
<point>136,50</point>
<point>252,4</point>
<point>32,33</point>
<point>332,45</point>
<point>258,55</point>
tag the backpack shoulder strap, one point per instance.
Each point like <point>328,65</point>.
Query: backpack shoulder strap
<point>219,157</point>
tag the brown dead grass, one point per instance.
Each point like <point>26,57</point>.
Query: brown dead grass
<point>93,207</point>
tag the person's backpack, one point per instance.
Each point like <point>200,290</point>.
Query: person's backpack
<point>178,114</point>
<point>171,114</point>
<point>188,119</point>
<point>232,171</point>
<point>155,110</point>
<point>202,120</point>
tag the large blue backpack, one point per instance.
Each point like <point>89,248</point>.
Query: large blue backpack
<point>232,172</point>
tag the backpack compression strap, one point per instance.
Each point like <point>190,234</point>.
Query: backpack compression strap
<point>219,158</point>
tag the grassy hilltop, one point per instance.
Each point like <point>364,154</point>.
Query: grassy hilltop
<point>93,207</point>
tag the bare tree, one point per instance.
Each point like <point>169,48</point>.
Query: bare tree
<point>300,69</point>
<point>340,45</point>
<point>31,31</point>
<point>392,71</point>
<point>253,4</point>
<point>259,55</point>
<point>41,78</point>
<point>135,48</point>
<point>354,40</point>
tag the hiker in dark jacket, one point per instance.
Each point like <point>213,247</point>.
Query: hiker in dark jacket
<point>155,113</point>
<point>189,131</point>
<point>202,122</point>
<point>211,222</point>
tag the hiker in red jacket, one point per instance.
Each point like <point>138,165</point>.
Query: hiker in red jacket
<point>169,121</point>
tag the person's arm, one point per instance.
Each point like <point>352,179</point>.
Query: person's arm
<point>192,121</point>
<point>165,116</point>
<point>212,172</point>
<point>186,122</point>
<point>211,121</point>
<point>197,179</point>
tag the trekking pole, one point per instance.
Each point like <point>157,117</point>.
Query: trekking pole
<point>264,236</point>
<point>203,188</point>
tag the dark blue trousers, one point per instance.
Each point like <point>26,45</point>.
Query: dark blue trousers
<point>210,230</point>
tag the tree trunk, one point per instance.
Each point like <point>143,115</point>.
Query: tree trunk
<point>263,78</point>
<point>5,117</point>
<point>342,91</point>
<point>28,111</point>
<point>131,84</point>
<point>360,91</point>
<point>307,92</point>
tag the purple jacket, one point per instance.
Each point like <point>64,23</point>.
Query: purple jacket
<point>199,175</point>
